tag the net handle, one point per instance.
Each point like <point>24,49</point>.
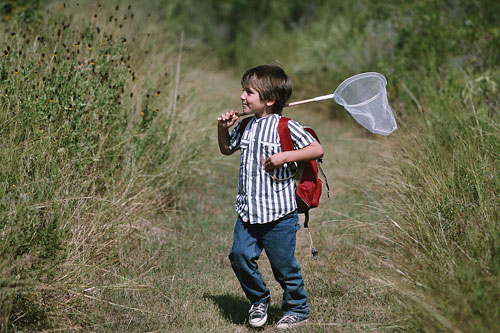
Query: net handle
<point>315,99</point>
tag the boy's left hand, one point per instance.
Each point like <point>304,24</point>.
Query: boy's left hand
<point>274,161</point>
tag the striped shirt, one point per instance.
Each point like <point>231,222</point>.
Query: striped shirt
<point>262,199</point>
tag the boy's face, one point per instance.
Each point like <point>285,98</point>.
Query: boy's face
<point>251,102</point>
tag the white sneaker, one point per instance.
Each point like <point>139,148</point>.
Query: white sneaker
<point>289,321</point>
<point>258,315</point>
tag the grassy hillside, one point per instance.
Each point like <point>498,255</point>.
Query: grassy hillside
<point>95,107</point>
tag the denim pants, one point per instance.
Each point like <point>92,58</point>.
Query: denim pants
<point>278,239</point>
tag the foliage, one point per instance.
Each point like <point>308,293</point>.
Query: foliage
<point>445,208</point>
<point>28,10</point>
<point>234,28</point>
<point>86,135</point>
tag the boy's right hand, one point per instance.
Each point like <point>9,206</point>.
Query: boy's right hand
<point>227,119</point>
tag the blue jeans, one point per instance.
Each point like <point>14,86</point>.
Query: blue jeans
<point>278,239</point>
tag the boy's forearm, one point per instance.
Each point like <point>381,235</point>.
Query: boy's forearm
<point>313,151</point>
<point>223,137</point>
<point>308,153</point>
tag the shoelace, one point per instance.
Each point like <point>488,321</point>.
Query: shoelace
<point>259,309</point>
<point>289,319</point>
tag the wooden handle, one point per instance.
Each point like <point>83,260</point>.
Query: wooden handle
<point>315,99</point>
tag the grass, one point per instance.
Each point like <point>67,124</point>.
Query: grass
<point>116,209</point>
<point>436,202</point>
<point>123,268</point>
<point>90,125</point>
<point>201,278</point>
<point>447,217</point>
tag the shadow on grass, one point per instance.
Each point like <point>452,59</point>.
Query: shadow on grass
<point>235,308</point>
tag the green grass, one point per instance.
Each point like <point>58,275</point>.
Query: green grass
<point>446,212</point>
<point>193,287</point>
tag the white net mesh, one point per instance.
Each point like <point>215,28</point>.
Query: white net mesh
<point>364,96</point>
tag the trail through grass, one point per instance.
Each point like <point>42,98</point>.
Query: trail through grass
<point>177,277</point>
<point>344,287</point>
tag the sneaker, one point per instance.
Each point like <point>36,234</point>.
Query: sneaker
<point>258,315</point>
<point>289,321</point>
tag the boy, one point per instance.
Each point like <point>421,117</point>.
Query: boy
<point>267,212</point>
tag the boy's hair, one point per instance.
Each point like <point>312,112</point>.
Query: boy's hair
<point>271,82</point>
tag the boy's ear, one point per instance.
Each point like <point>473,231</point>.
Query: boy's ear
<point>270,102</point>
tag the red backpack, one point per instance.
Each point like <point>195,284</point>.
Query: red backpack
<point>308,183</point>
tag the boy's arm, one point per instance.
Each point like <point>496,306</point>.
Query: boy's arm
<point>223,136</point>
<point>311,152</point>
<point>225,121</point>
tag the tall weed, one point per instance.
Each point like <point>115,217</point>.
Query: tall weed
<point>445,209</point>
<point>89,117</point>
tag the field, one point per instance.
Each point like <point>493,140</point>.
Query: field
<point>117,210</point>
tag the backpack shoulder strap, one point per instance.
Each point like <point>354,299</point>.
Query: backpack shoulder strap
<point>324,176</point>
<point>311,131</point>
<point>243,125</point>
<point>284,134</point>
